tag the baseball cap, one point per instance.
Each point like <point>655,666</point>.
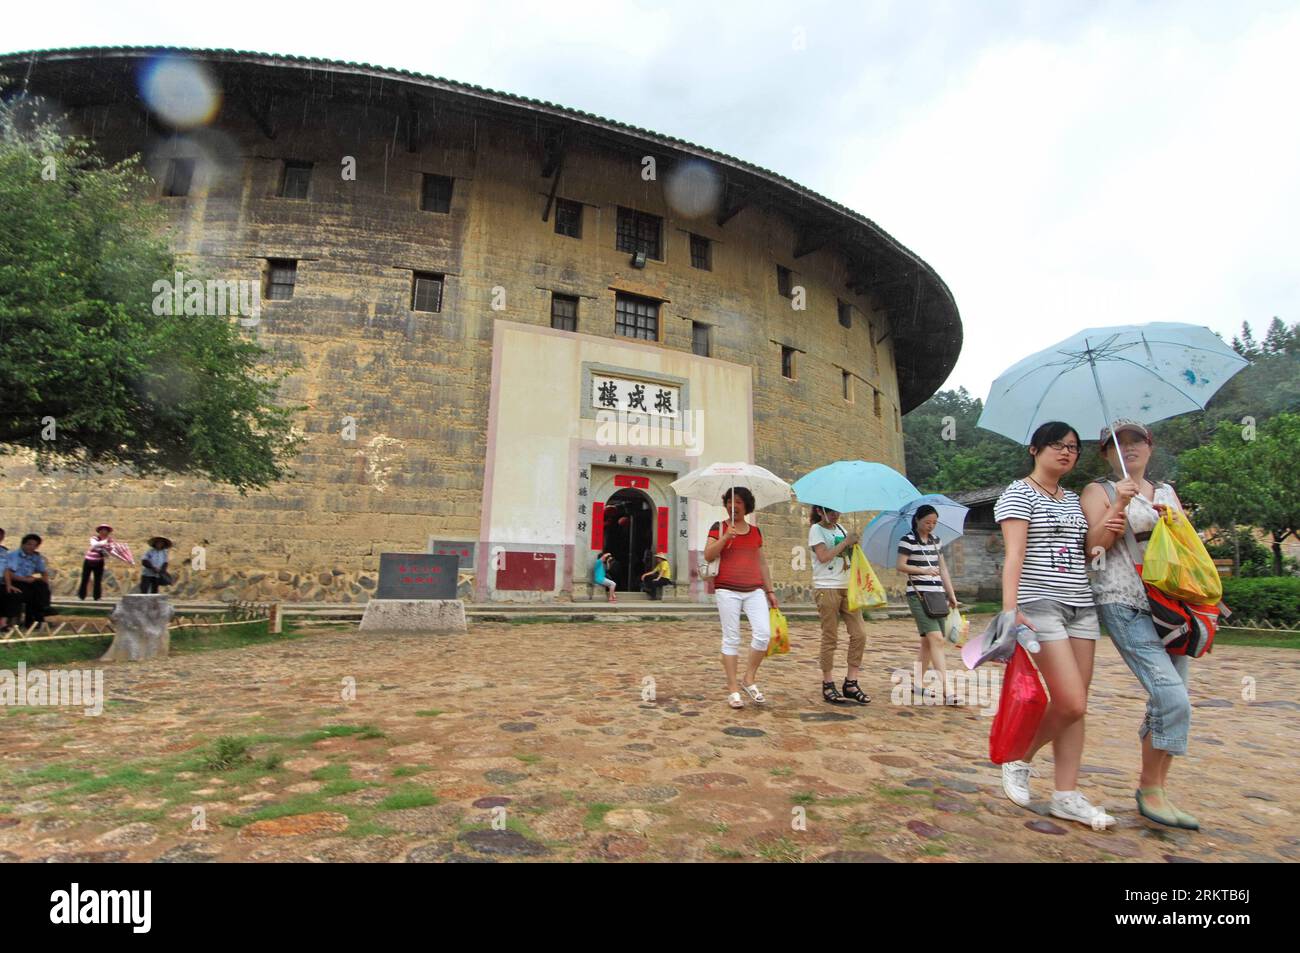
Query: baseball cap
<point>1121,424</point>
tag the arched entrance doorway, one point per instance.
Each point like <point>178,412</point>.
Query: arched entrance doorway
<point>629,535</point>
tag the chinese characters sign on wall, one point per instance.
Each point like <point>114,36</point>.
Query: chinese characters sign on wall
<point>635,397</point>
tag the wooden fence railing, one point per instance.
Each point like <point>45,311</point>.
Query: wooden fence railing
<point>96,628</point>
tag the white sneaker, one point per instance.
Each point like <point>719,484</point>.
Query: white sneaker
<point>1015,782</point>
<point>1073,806</point>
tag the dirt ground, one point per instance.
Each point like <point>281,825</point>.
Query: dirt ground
<point>610,741</point>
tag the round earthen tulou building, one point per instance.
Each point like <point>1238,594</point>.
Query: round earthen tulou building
<point>517,324</point>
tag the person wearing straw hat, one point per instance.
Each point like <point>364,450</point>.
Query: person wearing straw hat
<point>1122,510</point>
<point>742,581</point>
<point>154,564</point>
<point>92,563</point>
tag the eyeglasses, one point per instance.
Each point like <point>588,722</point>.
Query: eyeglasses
<point>1067,447</point>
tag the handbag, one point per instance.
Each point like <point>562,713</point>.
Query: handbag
<point>708,568</point>
<point>1185,628</point>
<point>934,603</point>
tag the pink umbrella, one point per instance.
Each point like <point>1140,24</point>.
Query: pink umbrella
<point>122,551</point>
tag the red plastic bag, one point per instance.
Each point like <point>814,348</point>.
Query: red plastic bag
<point>1020,709</point>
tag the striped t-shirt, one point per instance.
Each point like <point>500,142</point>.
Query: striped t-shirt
<point>922,556</point>
<point>1054,566</point>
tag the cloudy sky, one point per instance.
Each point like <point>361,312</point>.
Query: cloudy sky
<point>1061,165</point>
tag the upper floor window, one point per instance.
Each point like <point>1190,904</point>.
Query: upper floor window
<point>295,179</point>
<point>564,312</point>
<point>701,339</point>
<point>846,314</point>
<point>636,317</point>
<point>783,281</point>
<point>180,173</point>
<point>435,195</point>
<point>701,253</point>
<point>639,231</point>
<point>568,218</point>
<point>787,362</point>
<point>281,276</point>
<point>426,291</point>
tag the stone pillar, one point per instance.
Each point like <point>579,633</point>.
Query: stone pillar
<point>433,616</point>
<point>140,627</point>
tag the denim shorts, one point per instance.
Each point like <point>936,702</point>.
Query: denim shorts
<point>1054,621</point>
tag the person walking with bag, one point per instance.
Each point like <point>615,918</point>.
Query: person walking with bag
<point>831,545</point>
<point>741,582</point>
<point>930,593</point>
<point>1121,512</point>
<point>1045,583</point>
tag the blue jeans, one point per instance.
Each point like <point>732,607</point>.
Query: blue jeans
<point>1164,676</point>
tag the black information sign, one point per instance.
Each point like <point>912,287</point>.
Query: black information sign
<point>417,576</point>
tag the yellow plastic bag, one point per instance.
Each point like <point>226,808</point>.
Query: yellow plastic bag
<point>956,627</point>
<point>865,590</point>
<point>1177,563</point>
<point>779,644</point>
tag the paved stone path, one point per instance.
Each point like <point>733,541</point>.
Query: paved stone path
<point>545,732</point>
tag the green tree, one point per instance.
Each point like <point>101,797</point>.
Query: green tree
<point>1235,481</point>
<point>81,246</point>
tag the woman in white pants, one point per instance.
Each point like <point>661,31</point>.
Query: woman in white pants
<point>742,582</point>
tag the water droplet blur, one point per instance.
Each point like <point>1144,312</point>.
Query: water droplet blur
<point>693,188</point>
<point>180,91</point>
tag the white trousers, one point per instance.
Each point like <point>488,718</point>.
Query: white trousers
<point>756,611</point>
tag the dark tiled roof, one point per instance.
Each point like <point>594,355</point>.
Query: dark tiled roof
<point>927,350</point>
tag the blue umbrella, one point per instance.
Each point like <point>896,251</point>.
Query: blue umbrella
<point>880,538</point>
<point>852,486</point>
<point>1145,372</point>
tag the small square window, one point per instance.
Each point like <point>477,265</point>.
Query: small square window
<point>846,314</point>
<point>180,174</point>
<point>564,312</point>
<point>701,253</point>
<point>426,292</point>
<point>783,281</point>
<point>848,386</point>
<point>281,276</point>
<point>701,335</point>
<point>636,317</point>
<point>787,362</point>
<point>568,218</point>
<point>435,196</point>
<point>296,179</point>
<point>639,231</point>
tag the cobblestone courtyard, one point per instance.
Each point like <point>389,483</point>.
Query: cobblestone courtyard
<point>543,728</point>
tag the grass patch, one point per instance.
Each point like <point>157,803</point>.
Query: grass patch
<point>782,772</point>
<point>803,797</point>
<point>724,853</point>
<point>227,752</point>
<point>339,771</point>
<point>1256,639</point>
<point>899,794</point>
<point>338,731</point>
<point>528,758</point>
<point>408,797</point>
<point>429,713</point>
<point>782,850</point>
<point>596,815</point>
<point>54,773</point>
<point>934,850</point>
<point>202,638</point>
<point>407,770</point>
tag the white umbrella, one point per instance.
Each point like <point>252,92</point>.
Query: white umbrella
<point>709,483</point>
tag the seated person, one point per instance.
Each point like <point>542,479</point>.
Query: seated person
<point>660,575</point>
<point>600,577</point>
<point>26,582</point>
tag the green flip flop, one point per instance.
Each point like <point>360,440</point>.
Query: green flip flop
<point>1167,817</point>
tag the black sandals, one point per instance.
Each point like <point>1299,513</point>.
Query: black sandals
<point>852,691</point>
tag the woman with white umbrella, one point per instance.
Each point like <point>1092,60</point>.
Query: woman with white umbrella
<point>743,581</point>
<point>733,557</point>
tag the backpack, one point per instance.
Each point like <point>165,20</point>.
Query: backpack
<point>1184,628</point>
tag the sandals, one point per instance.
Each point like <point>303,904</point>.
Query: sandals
<point>853,692</point>
<point>831,694</point>
<point>753,692</point>
<point>735,701</point>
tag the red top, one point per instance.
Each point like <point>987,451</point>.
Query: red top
<point>740,567</point>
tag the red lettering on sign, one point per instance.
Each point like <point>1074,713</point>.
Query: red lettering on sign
<point>626,479</point>
<point>597,526</point>
<point>663,529</point>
